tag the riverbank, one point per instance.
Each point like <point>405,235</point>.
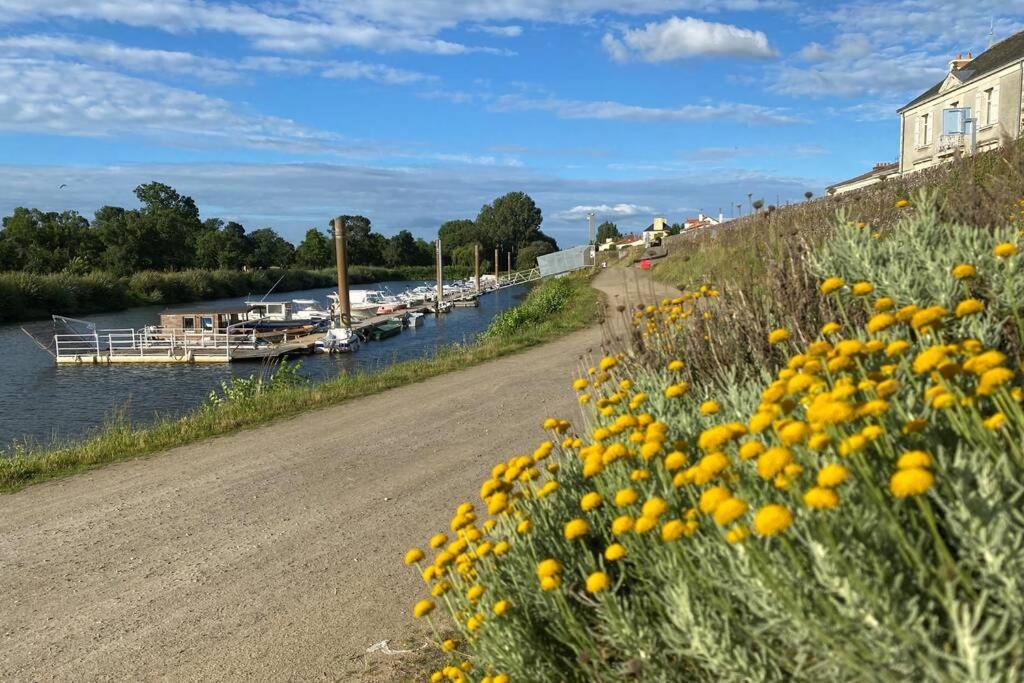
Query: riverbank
<point>552,309</point>
<point>32,296</point>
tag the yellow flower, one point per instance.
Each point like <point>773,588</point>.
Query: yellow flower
<point>911,482</point>
<point>778,336</point>
<point>654,507</point>
<point>880,322</point>
<point>524,527</point>
<point>772,519</point>
<point>622,524</point>
<point>963,271</point>
<point>928,317</point>
<point>761,421</point>
<point>675,460</point>
<point>819,441</point>
<point>548,583</point>
<point>969,307</point>
<point>1005,250</point>
<point>576,528</point>
<point>902,203</point>
<point>438,540</point>
<point>645,524</point>
<point>737,534</point>
<point>675,365</point>
<point>549,567</point>
<point>607,363</point>
<point>772,461</point>
<point>423,608</point>
<point>821,498</point>
<point>616,551</point>
<point>983,362</point>
<point>550,423</point>
<point>449,645</point>
<point>500,678</point>
<point>672,530</point>
<point>501,607</point>
<point>991,380</point>
<point>413,556</point>
<point>884,303</point>
<point>995,421</point>
<point>862,288</point>
<point>830,328</point>
<point>832,475</point>
<point>793,433</point>
<point>729,510</point>
<point>475,592</point>
<point>831,284</point>
<point>930,359</point>
<point>590,501</point>
<point>624,497</point>
<point>676,390</point>
<point>709,407</point>
<point>711,498</point>
<point>580,384</point>
<point>896,348</point>
<point>597,582</point>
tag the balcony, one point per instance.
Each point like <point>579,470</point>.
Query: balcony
<point>954,142</point>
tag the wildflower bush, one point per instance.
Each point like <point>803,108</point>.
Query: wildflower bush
<point>850,511</point>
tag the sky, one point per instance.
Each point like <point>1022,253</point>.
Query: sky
<point>413,112</point>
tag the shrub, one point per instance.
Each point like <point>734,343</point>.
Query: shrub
<point>851,516</point>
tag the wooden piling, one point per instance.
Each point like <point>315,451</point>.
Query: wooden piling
<point>440,282</point>
<point>510,266</point>
<point>341,258</point>
<point>497,264</point>
<point>476,258</point>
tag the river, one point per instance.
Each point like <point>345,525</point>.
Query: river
<point>42,403</point>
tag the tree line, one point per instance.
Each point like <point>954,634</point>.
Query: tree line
<point>166,233</point>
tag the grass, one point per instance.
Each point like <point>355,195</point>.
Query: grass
<point>122,441</point>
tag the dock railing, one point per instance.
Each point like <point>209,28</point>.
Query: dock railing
<point>147,341</point>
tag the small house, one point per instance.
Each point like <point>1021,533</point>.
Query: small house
<point>204,319</point>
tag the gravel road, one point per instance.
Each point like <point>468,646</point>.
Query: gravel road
<point>274,553</point>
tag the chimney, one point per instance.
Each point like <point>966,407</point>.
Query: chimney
<point>659,224</point>
<point>960,62</point>
<point>700,217</point>
<point>721,216</point>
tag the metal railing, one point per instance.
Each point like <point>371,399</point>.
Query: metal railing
<point>154,341</point>
<point>952,142</point>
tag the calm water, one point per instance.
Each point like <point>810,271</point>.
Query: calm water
<point>43,402</point>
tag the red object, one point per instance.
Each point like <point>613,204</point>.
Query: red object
<point>646,264</point>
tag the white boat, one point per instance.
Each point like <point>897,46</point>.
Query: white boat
<point>337,340</point>
<point>309,309</point>
<point>413,319</point>
<point>364,303</point>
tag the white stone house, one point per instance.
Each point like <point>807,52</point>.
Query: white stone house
<point>656,231</point>
<point>977,104</point>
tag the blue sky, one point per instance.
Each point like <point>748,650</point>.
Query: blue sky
<point>412,113</point>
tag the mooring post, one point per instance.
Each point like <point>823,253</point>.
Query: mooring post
<point>476,259</point>
<point>510,266</point>
<point>341,259</point>
<point>440,283</point>
<point>497,264</point>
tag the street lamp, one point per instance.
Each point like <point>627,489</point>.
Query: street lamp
<point>590,222</point>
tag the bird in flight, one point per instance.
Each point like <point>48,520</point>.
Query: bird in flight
<point>62,186</point>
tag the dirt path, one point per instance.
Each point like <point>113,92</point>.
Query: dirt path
<point>274,553</point>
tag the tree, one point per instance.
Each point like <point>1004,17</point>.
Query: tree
<point>458,233</point>
<point>401,250</point>
<point>363,246</point>
<point>607,230</point>
<point>269,250</point>
<point>314,251</point>
<point>511,221</point>
<point>527,256</point>
<point>809,194</point>
<point>45,242</point>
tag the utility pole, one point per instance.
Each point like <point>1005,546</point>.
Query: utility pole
<point>341,258</point>
<point>476,269</point>
<point>590,222</point>
<point>440,283</point>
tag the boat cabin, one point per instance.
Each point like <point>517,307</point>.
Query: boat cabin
<point>270,310</point>
<point>204,320</point>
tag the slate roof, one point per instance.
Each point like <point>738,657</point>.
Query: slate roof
<point>881,169</point>
<point>1004,52</point>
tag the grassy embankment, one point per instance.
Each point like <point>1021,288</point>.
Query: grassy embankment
<point>553,308</point>
<point>29,296</point>
<point>809,471</point>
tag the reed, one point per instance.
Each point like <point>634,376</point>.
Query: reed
<point>24,464</point>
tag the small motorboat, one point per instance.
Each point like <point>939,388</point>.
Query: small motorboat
<point>337,340</point>
<point>385,329</point>
<point>412,319</point>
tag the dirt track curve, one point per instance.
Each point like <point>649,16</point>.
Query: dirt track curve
<point>274,553</point>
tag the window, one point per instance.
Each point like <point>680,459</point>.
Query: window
<point>923,137</point>
<point>207,323</point>
<point>188,323</point>
<point>987,102</point>
<point>988,105</point>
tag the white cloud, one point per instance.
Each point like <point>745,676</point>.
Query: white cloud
<point>210,69</point>
<point>381,25</point>
<point>605,210</point>
<point>677,38</point>
<point>609,110</point>
<point>511,31</point>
